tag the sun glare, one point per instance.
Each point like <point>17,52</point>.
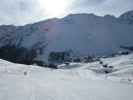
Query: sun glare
<point>54,8</point>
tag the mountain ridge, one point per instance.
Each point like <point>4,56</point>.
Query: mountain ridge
<point>82,33</point>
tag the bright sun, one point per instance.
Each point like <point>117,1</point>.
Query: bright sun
<point>54,8</point>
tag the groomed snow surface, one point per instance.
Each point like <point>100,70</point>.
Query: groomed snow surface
<point>77,81</point>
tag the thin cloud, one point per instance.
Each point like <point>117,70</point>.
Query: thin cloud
<point>21,12</point>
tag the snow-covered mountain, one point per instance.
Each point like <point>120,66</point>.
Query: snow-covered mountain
<point>81,33</point>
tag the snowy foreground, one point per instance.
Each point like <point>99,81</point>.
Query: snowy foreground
<point>73,82</point>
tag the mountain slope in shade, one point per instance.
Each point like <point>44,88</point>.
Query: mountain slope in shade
<point>82,33</point>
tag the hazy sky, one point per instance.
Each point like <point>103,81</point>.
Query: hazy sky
<point>21,12</point>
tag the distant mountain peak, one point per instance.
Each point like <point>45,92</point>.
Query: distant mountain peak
<point>127,13</point>
<point>127,16</point>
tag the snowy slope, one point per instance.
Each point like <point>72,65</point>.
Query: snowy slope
<point>79,83</point>
<point>122,68</point>
<point>83,33</point>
